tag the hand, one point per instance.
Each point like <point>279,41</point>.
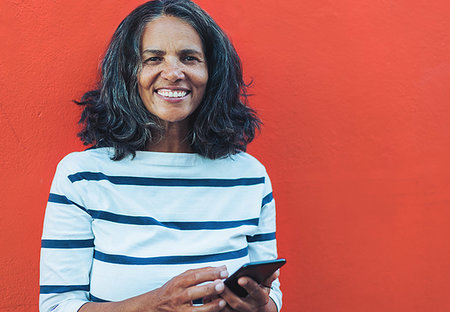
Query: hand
<point>257,300</point>
<point>175,296</point>
<point>178,293</point>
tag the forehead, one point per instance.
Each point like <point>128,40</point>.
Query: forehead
<point>170,32</point>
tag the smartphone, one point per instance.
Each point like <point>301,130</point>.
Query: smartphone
<point>258,271</point>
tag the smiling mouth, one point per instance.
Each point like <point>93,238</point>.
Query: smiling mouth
<point>172,93</point>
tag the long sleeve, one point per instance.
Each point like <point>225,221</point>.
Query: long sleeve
<point>66,249</point>
<point>147,217</point>
<point>263,245</point>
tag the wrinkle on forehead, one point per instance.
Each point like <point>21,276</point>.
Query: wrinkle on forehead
<point>162,27</point>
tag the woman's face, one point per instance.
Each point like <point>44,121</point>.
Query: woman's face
<point>174,72</point>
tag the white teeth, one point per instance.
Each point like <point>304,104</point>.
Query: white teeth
<point>171,94</point>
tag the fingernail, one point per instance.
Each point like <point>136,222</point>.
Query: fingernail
<point>224,273</point>
<point>242,281</point>
<point>222,303</point>
<point>220,286</point>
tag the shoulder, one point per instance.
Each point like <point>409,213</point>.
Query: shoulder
<point>246,159</point>
<point>90,159</point>
<point>242,164</point>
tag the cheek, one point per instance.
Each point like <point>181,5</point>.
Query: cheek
<point>141,84</point>
<point>205,76</point>
<point>202,80</point>
<point>141,88</point>
<point>144,87</point>
<point>200,75</point>
<point>144,78</point>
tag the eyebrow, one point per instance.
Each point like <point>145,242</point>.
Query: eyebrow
<point>153,51</point>
<point>182,52</point>
<point>190,51</point>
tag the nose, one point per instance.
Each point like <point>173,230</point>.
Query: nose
<point>172,71</point>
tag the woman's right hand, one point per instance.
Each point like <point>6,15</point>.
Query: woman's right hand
<point>178,293</point>
<point>174,296</point>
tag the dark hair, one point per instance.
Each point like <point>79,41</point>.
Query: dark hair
<point>114,115</point>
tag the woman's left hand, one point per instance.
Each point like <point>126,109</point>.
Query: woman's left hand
<point>257,300</point>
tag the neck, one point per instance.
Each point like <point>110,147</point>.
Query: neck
<point>173,139</point>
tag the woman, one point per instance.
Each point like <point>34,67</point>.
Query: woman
<point>167,202</point>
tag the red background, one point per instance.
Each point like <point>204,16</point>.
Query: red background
<point>355,99</point>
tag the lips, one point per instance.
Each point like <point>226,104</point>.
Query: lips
<point>172,93</point>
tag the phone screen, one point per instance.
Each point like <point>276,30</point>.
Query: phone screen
<point>258,271</point>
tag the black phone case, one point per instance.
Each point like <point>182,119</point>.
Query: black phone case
<point>258,271</point>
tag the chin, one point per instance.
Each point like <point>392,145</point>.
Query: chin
<point>173,119</point>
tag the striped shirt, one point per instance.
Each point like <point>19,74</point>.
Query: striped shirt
<point>117,229</point>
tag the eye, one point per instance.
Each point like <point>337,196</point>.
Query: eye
<point>153,59</point>
<point>190,58</point>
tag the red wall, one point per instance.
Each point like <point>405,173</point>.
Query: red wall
<point>355,99</point>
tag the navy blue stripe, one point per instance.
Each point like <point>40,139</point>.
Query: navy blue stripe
<point>57,289</point>
<point>261,237</point>
<point>96,299</point>
<point>144,181</point>
<point>207,225</point>
<point>140,220</point>
<point>119,259</point>
<point>69,243</point>
<point>267,199</point>
<point>61,199</point>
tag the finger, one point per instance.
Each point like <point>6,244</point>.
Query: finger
<point>215,305</point>
<point>268,282</point>
<point>259,294</point>
<point>210,289</point>
<point>234,302</point>
<point>198,276</point>
<point>208,299</point>
<point>228,309</point>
